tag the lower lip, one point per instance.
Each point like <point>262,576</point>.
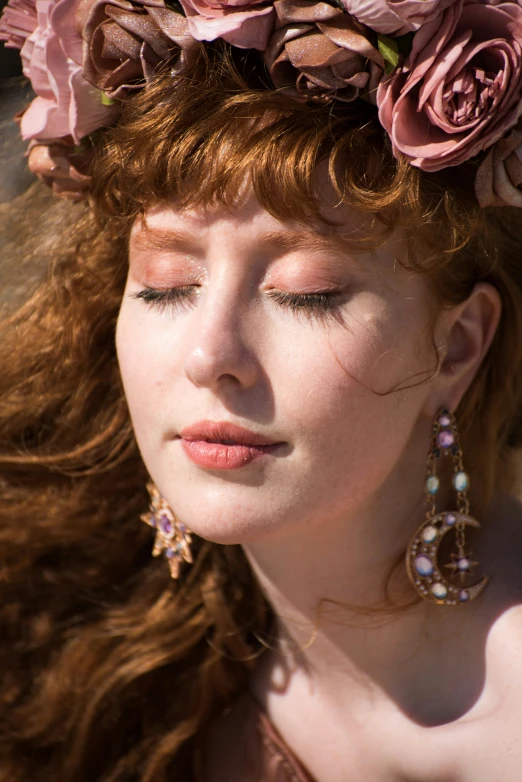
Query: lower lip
<point>217,456</point>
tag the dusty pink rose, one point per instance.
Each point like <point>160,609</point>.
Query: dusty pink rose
<point>66,104</point>
<point>18,22</point>
<point>460,89</point>
<point>126,41</point>
<point>499,177</point>
<point>395,17</point>
<point>63,167</point>
<point>318,52</point>
<point>243,24</point>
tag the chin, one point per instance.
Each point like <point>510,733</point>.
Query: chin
<point>228,526</point>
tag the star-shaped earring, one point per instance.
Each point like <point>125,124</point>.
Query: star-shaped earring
<point>462,564</point>
<point>172,537</point>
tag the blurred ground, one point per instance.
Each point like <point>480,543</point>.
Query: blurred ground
<point>32,219</point>
<point>15,177</point>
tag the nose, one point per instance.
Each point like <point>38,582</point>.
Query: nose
<point>220,352</point>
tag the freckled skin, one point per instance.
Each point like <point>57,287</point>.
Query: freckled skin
<point>424,695</point>
<point>233,353</point>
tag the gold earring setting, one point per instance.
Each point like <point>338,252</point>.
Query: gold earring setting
<point>422,563</point>
<point>172,536</point>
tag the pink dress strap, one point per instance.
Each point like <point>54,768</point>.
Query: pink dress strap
<point>282,763</point>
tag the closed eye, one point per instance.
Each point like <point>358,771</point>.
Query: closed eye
<point>317,305</point>
<point>320,306</point>
<point>326,300</point>
<point>165,297</point>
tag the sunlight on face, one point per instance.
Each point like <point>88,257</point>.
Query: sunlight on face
<point>240,320</point>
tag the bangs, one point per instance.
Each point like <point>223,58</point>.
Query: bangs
<point>204,139</point>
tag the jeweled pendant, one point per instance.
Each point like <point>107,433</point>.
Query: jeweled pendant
<point>172,536</point>
<point>422,555</point>
<point>422,562</point>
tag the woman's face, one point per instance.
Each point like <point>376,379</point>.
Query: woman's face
<point>236,319</point>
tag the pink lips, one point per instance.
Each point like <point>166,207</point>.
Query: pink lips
<point>223,446</point>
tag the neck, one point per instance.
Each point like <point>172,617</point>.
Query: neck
<point>346,616</point>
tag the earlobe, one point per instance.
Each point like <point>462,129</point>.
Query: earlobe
<point>470,329</point>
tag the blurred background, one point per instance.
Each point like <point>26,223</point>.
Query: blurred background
<point>15,95</point>
<point>32,220</point>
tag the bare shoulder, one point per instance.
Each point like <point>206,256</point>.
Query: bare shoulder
<point>502,557</point>
<point>492,725</point>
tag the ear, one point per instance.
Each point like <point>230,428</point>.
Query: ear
<point>463,336</point>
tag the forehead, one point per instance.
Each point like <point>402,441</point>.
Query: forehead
<point>250,238</point>
<point>343,231</point>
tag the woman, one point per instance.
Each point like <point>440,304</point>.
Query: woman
<point>306,341</point>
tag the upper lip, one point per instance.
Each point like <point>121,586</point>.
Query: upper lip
<point>222,431</point>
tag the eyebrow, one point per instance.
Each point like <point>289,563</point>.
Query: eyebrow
<point>301,240</point>
<point>163,239</point>
<point>166,239</point>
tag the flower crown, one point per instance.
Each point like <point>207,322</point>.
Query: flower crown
<point>445,75</point>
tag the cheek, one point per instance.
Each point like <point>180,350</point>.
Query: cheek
<point>339,390</point>
<point>361,363</point>
<point>141,359</point>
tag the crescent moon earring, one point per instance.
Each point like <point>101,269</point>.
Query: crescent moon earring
<point>172,536</point>
<point>422,560</point>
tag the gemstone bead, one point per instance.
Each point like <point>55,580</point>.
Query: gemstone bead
<point>450,519</point>
<point>463,595</point>
<point>182,527</point>
<point>429,534</point>
<point>153,522</point>
<point>169,553</point>
<point>439,591</point>
<point>445,438</point>
<point>461,481</point>
<point>423,566</point>
<point>463,564</point>
<point>444,420</point>
<point>166,526</point>
<point>432,484</point>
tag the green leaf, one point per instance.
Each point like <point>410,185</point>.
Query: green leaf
<point>390,52</point>
<point>106,100</point>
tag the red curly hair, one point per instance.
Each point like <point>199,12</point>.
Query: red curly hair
<point>111,671</point>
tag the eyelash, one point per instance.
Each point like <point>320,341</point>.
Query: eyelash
<point>304,303</point>
<point>163,297</point>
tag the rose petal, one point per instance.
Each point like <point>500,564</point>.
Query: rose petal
<point>246,30</point>
<point>35,119</point>
<point>395,17</point>
<point>319,51</point>
<point>460,89</point>
<point>17,22</point>
<point>499,177</point>
<point>246,24</point>
<point>125,42</point>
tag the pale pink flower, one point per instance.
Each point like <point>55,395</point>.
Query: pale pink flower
<point>66,104</point>
<point>395,17</point>
<point>499,177</point>
<point>460,89</point>
<point>17,22</point>
<point>246,25</point>
<point>62,167</point>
